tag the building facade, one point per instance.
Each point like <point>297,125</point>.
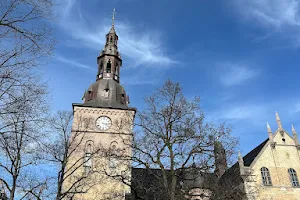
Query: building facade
<point>268,172</point>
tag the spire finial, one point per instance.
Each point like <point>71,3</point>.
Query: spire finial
<point>295,137</point>
<point>241,163</point>
<point>278,121</point>
<point>293,130</point>
<point>239,154</point>
<point>240,158</point>
<point>113,17</point>
<point>270,132</point>
<point>268,127</point>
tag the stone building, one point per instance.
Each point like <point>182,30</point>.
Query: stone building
<point>268,172</point>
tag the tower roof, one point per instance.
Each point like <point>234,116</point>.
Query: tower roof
<point>107,92</point>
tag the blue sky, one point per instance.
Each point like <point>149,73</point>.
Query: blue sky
<point>241,57</point>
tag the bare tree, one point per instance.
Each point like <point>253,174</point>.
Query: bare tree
<point>21,129</point>
<point>25,42</point>
<point>174,147</point>
<point>173,136</point>
<point>66,149</point>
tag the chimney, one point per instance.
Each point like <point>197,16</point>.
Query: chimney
<point>241,163</point>
<point>220,159</point>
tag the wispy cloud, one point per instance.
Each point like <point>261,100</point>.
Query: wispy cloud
<point>73,63</point>
<point>277,16</point>
<point>296,108</point>
<point>276,13</point>
<point>257,112</point>
<point>233,74</point>
<point>142,47</point>
<point>240,112</point>
<point>139,82</point>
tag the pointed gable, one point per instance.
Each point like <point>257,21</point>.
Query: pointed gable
<point>281,137</point>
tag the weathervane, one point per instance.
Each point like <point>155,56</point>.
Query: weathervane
<point>113,16</point>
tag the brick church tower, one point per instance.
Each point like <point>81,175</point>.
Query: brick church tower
<point>108,130</point>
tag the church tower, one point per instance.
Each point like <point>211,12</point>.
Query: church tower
<point>106,134</point>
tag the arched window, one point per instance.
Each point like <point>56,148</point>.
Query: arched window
<point>100,67</point>
<point>266,178</point>
<point>113,160</point>
<point>108,67</point>
<point>293,177</point>
<point>107,38</point>
<point>88,160</point>
<point>111,39</point>
<point>116,70</point>
<point>100,70</point>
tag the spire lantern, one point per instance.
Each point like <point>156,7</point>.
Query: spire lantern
<point>278,121</point>
<point>109,61</point>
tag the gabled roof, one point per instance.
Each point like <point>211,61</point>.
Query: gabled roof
<point>248,159</point>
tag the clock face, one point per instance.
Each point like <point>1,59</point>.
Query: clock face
<point>103,123</point>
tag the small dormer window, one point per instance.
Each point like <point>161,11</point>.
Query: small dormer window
<point>108,67</point>
<point>113,159</point>
<point>89,95</point>
<point>123,98</point>
<point>88,160</point>
<point>106,93</point>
